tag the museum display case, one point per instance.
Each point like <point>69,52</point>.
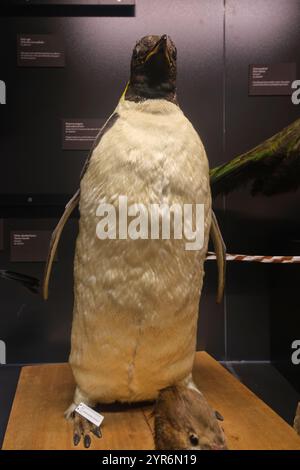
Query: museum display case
<point>167,104</point>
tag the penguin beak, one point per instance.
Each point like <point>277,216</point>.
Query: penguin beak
<point>161,47</point>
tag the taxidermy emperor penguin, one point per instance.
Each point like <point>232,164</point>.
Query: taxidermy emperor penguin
<point>136,301</point>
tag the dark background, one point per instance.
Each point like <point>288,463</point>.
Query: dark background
<point>216,42</point>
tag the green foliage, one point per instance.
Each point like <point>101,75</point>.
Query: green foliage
<point>272,167</point>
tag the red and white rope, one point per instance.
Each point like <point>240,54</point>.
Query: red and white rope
<point>257,258</point>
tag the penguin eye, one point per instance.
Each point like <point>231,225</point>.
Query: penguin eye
<point>194,439</point>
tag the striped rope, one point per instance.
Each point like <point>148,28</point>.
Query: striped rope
<point>257,258</point>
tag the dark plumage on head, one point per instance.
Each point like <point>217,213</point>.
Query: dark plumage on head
<point>153,69</point>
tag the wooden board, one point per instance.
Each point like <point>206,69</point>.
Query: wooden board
<point>44,392</point>
<point>249,423</point>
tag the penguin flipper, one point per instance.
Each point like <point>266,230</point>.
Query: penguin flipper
<point>72,204</point>
<point>220,250</point>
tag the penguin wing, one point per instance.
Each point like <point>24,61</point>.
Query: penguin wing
<point>220,250</point>
<point>56,234</point>
<point>72,204</point>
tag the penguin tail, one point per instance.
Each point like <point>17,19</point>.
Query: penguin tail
<point>30,283</point>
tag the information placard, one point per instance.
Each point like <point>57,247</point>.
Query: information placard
<point>79,134</point>
<point>29,245</point>
<point>40,50</point>
<point>271,79</point>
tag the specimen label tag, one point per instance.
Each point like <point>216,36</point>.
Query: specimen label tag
<point>90,414</point>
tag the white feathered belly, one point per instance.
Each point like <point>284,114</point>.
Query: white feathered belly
<point>136,301</point>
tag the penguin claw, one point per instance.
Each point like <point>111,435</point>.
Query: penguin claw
<point>87,441</point>
<point>76,439</point>
<point>97,432</point>
<point>219,416</point>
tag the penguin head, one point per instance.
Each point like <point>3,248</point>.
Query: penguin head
<point>153,69</point>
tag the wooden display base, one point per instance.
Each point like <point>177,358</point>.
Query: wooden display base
<point>44,392</point>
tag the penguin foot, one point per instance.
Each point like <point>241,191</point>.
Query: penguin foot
<point>69,413</point>
<point>82,428</point>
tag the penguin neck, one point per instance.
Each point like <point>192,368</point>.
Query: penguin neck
<point>141,91</point>
<point>152,107</point>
